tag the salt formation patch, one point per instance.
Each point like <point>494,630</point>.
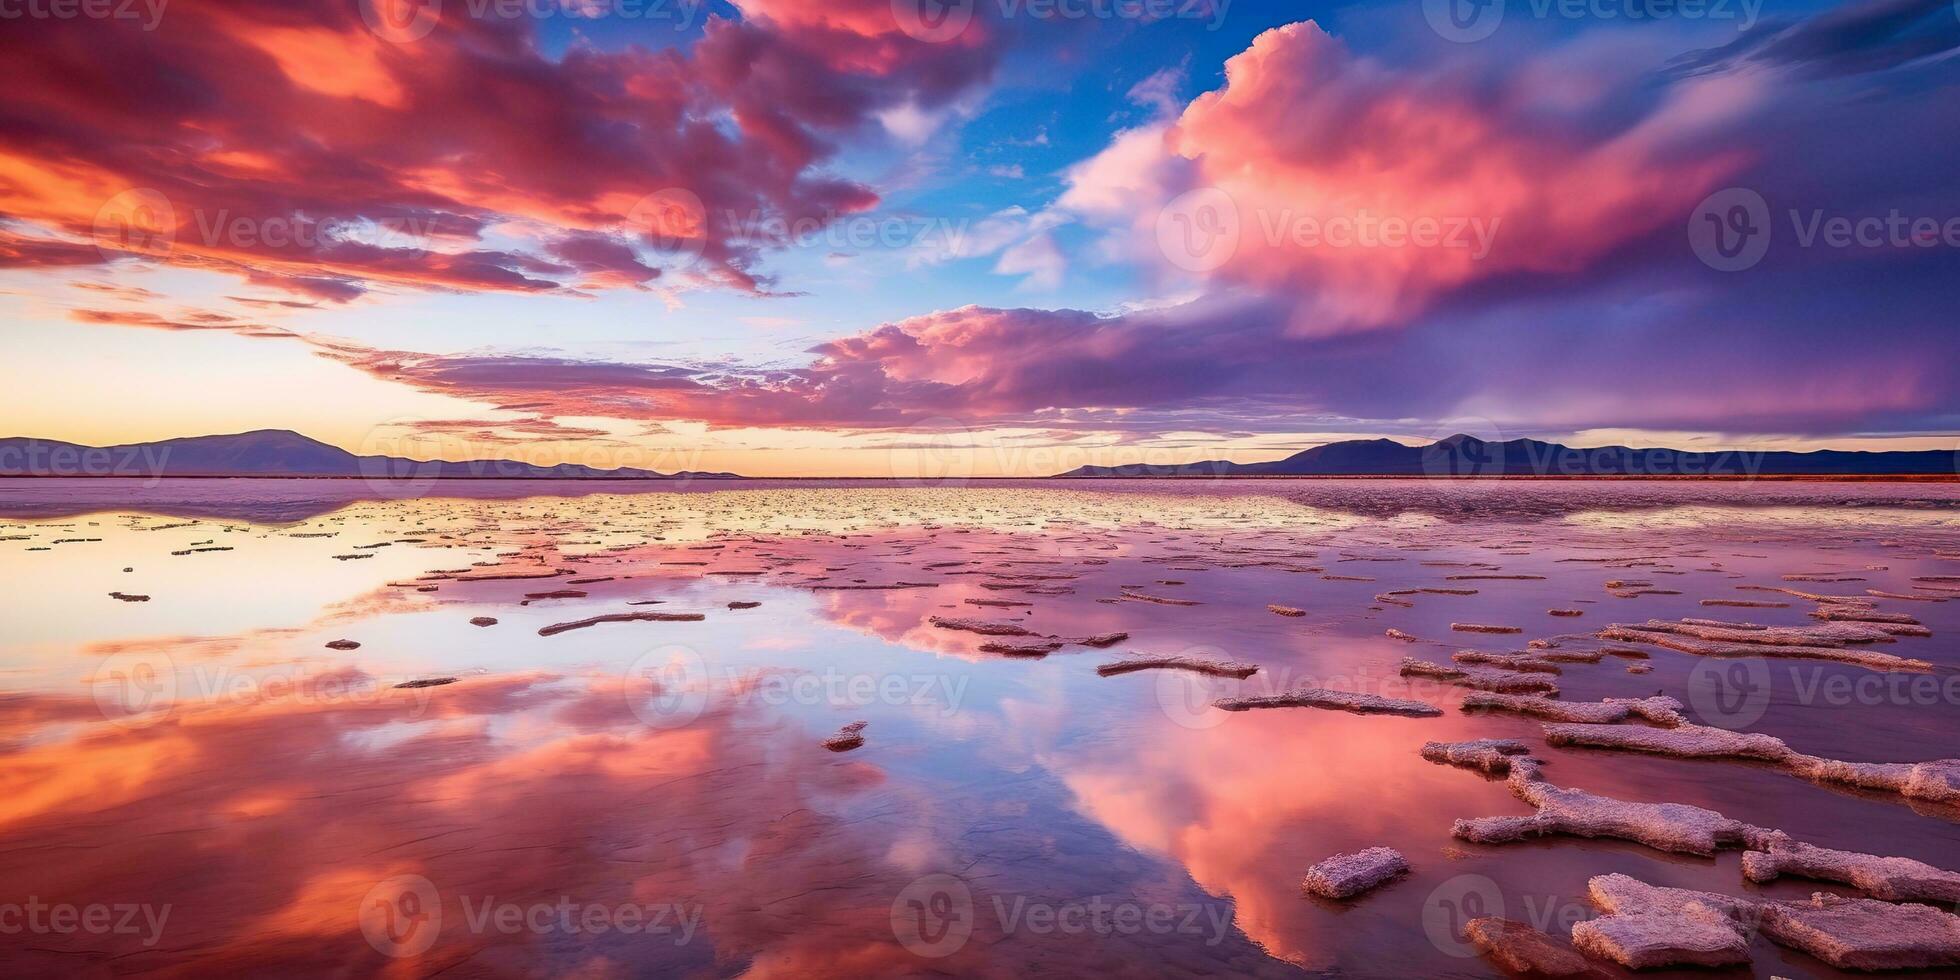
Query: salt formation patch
<point>1862,934</point>
<point>1344,876</point>
<point>1480,678</point>
<point>1674,827</point>
<point>1522,662</point>
<point>1937,781</point>
<point>1648,926</point>
<point>1491,756</point>
<point>1316,697</point>
<point>1894,879</point>
<point>983,627</point>
<point>635,617</point>
<point>1202,665</point>
<point>1824,641</point>
<point>1659,709</point>
<point>847,738</point>
<point>1484,628</point>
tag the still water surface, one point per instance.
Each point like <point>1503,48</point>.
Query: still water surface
<point>652,797</point>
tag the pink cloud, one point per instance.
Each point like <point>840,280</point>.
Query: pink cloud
<point>290,145</point>
<point>1364,194</point>
<point>183,320</point>
<point>970,366</point>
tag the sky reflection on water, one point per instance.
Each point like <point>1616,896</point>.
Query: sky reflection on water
<point>206,752</point>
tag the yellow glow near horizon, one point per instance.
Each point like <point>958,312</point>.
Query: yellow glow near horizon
<point>101,385</point>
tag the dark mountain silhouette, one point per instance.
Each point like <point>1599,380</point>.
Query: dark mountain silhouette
<point>278,452</point>
<point>1461,455</point>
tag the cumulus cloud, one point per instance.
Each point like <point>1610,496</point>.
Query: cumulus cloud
<point>1365,193</point>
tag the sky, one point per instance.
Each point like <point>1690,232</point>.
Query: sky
<point>979,237</point>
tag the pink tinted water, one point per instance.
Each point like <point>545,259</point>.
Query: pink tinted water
<point>652,797</point>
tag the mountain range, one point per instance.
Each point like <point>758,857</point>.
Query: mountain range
<point>1463,455</point>
<point>279,452</point>
<point>283,453</point>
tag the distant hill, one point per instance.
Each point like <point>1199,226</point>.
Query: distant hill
<point>1462,455</point>
<point>279,452</point>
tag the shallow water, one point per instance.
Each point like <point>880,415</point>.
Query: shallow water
<point>637,798</point>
